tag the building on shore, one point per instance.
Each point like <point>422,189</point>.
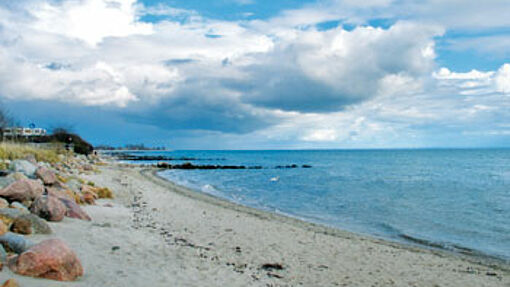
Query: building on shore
<point>22,132</point>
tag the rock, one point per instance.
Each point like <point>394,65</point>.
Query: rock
<point>50,259</point>
<point>19,206</point>
<point>88,167</point>
<point>39,226</point>
<point>11,283</point>
<point>23,189</point>
<point>272,266</point>
<point>74,185</point>
<point>74,210</point>
<point>3,203</point>
<point>6,181</point>
<point>24,166</point>
<point>48,207</point>
<point>3,254</point>
<point>17,176</point>
<point>15,243</point>
<point>3,228</point>
<point>60,193</point>
<point>85,189</point>
<point>46,175</point>
<point>88,198</point>
<point>21,225</point>
<point>7,215</point>
<point>31,158</point>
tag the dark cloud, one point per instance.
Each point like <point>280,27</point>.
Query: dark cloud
<point>200,105</point>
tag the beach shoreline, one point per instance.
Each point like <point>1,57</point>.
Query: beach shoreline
<point>156,233</point>
<point>476,257</point>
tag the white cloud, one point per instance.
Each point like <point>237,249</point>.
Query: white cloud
<point>503,79</point>
<point>279,79</point>
<point>89,20</point>
<point>310,70</point>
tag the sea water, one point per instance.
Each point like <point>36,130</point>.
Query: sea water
<point>453,199</point>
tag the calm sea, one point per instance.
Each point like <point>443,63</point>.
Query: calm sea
<point>453,199</point>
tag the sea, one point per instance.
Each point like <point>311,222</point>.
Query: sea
<point>453,199</point>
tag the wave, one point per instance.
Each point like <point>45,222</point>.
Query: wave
<point>441,245</point>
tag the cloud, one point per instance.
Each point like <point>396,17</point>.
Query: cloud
<point>89,20</point>
<point>315,71</point>
<point>274,80</point>
<point>243,77</point>
<point>503,79</point>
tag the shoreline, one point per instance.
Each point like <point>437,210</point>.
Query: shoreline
<point>156,233</point>
<point>475,257</point>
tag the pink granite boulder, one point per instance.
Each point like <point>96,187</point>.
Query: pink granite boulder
<point>46,175</point>
<point>22,190</point>
<point>48,207</point>
<point>74,210</point>
<point>50,259</point>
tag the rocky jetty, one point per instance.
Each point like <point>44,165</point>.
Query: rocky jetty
<point>191,166</point>
<point>135,157</point>
<point>33,193</point>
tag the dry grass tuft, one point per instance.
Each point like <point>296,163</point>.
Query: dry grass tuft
<point>104,192</point>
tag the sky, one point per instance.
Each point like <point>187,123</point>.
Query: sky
<point>260,74</point>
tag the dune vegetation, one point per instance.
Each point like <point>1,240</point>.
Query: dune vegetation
<point>13,151</point>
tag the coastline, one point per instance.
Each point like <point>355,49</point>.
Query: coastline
<point>474,257</point>
<point>155,233</point>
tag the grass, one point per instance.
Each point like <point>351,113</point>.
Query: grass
<point>104,192</point>
<point>13,151</point>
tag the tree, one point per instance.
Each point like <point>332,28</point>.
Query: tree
<point>67,137</point>
<point>5,120</point>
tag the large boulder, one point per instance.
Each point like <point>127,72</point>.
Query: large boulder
<point>17,176</point>
<point>74,210</point>
<point>6,181</point>
<point>60,192</point>
<point>50,259</point>
<point>22,190</point>
<point>39,226</point>
<point>15,243</point>
<point>19,206</point>
<point>21,225</point>
<point>9,215</point>
<point>24,166</point>
<point>48,207</point>
<point>46,175</point>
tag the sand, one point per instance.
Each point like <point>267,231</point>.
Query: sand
<point>158,234</point>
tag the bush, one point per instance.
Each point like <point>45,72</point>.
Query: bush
<point>63,136</point>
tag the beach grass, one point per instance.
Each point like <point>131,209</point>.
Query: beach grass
<point>13,151</point>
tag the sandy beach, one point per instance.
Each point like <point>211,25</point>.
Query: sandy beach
<point>155,233</point>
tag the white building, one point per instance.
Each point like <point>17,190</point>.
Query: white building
<point>23,132</point>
